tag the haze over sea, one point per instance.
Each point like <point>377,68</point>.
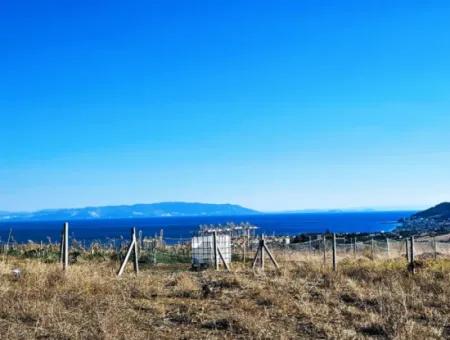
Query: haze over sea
<point>179,228</point>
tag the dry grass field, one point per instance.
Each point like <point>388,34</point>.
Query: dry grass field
<point>364,299</point>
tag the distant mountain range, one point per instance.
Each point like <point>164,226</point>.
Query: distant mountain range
<point>164,209</point>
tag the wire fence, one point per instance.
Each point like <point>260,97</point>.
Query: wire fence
<point>198,251</point>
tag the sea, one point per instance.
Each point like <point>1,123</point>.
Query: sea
<point>179,229</point>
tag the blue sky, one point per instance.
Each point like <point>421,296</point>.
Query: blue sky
<point>273,105</point>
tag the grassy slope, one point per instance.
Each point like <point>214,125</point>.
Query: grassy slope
<point>363,299</point>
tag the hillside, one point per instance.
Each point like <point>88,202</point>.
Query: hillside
<point>439,212</point>
<point>365,300</point>
<point>164,209</point>
<point>435,219</point>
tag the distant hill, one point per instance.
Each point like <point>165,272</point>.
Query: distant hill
<point>434,220</point>
<point>164,209</point>
<point>439,212</point>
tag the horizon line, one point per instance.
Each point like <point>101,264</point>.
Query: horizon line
<point>270,211</point>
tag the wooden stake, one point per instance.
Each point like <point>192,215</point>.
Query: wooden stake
<point>261,245</point>
<point>223,259</point>
<point>387,247</point>
<point>407,250</point>
<point>216,260</point>
<point>244,246</point>
<point>334,252</point>
<point>260,252</point>
<point>372,248</point>
<point>271,256</point>
<point>411,256</point>
<point>354,246</point>
<point>154,251</point>
<point>66,246</point>
<point>141,240</point>
<point>324,249</point>
<point>61,248</point>
<point>136,252</point>
<point>434,248</point>
<point>255,259</point>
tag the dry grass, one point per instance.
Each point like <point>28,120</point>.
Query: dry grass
<point>364,299</point>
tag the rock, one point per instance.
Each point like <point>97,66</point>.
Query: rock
<point>16,273</point>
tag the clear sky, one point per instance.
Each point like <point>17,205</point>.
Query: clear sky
<point>274,105</point>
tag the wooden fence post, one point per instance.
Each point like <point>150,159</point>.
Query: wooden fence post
<point>66,246</point>
<point>334,252</point>
<point>262,242</point>
<point>310,245</point>
<point>141,240</point>
<point>260,251</point>
<point>154,244</point>
<point>387,247</point>
<point>270,255</point>
<point>411,256</point>
<point>354,246</point>
<point>324,238</point>
<point>61,248</point>
<point>434,248</point>
<point>219,252</point>
<point>372,248</point>
<point>244,249</point>
<point>255,259</point>
<point>407,250</point>
<point>216,259</point>
<point>136,252</point>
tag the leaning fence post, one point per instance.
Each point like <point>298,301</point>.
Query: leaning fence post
<point>334,252</point>
<point>66,246</point>
<point>271,257</point>
<point>133,246</point>
<point>255,259</point>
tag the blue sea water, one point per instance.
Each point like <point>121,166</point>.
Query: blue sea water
<point>177,228</point>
